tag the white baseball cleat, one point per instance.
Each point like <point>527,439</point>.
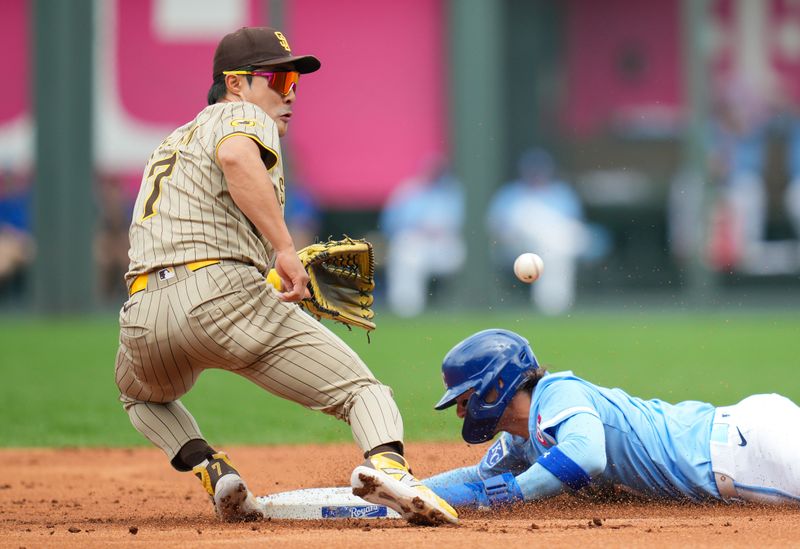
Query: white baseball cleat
<point>232,501</point>
<point>384,479</point>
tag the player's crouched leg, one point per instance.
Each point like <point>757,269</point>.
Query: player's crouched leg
<point>309,364</point>
<point>171,427</point>
<point>385,477</point>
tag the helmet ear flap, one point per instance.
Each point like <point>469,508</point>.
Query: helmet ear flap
<point>477,427</point>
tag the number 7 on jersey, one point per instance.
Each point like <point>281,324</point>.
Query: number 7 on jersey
<point>158,171</point>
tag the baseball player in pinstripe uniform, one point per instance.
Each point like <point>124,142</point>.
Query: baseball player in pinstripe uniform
<point>207,226</point>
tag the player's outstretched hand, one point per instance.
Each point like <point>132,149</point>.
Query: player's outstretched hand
<point>294,277</point>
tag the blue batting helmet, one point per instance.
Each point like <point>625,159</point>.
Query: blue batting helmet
<point>494,363</point>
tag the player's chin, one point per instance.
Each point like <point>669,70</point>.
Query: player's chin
<point>283,127</point>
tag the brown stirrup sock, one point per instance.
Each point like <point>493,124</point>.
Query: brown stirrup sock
<point>396,447</point>
<point>192,453</point>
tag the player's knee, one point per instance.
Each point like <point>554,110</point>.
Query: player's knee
<point>372,398</point>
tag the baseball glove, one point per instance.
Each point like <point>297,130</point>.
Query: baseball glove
<point>342,276</point>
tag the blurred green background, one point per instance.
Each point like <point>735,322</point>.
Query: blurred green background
<point>58,375</point>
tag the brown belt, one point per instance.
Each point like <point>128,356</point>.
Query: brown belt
<point>140,282</point>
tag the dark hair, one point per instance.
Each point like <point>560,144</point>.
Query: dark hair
<point>532,377</point>
<point>219,89</point>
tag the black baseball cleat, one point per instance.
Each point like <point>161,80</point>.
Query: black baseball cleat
<point>232,501</point>
<point>384,479</point>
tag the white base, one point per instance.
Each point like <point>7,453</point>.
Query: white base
<point>321,503</point>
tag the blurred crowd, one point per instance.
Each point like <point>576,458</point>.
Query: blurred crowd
<point>114,202</point>
<point>538,212</point>
<point>421,232</point>
<point>16,243</point>
<point>751,122</point>
<point>422,223</point>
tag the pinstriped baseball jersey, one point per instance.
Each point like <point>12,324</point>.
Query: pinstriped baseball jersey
<point>184,321</point>
<point>198,298</point>
<point>184,212</point>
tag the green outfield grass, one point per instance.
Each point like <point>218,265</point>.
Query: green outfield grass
<point>57,386</point>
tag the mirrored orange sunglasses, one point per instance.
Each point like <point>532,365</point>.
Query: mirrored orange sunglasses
<point>281,82</point>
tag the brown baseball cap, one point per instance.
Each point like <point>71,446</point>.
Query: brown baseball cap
<point>259,46</point>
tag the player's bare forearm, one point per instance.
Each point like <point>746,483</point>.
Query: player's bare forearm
<point>252,190</point>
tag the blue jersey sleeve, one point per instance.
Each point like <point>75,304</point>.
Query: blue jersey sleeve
<point>582,439</point>
<point>578,456</point>
<point>557,402</point>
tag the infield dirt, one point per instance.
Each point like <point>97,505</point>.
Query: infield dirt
<point>103,497</point>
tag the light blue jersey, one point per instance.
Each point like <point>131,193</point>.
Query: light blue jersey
<point>652,448</point>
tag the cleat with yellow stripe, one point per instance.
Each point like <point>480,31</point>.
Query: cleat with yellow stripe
<point>232,501</point>
<point>384,479</point>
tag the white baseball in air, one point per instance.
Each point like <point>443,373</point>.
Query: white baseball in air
<point>528,267</point>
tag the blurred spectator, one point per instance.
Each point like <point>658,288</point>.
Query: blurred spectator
<point>302,215</point>
<point>16,243</point>
<point>739,134</point>
<point>422,222</point>
<point>111,238</point>
<point>792,197</point>
<point>685,215</point>
<point>539,213</point>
